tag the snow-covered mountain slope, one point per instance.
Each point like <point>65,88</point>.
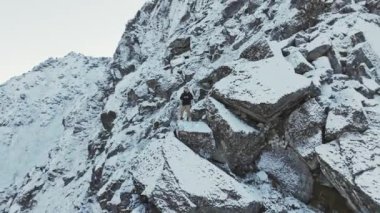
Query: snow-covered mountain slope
<point>48,116</point>
<point>286,110</point>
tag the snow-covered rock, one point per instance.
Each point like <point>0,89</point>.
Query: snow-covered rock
<point>346,115</point>
<point>289,170</point>
<point>44,105</point>
<point>299,62</point>
<point>215,76</point>
<point>198,136</point>
<point>234,136</point>
<point>318,47</point>
<point>176,179</point>
<point>351,165</point>
<point>304,130</point>
<point>257,51</point>
<point>264,89</point>
<point>362,54</point>
<point>180,45</point>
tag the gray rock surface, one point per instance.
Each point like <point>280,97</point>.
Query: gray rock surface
<point>289,171</point>
<point>180,45</point>
<point>238,143</point>
<point>215,76</point>
<point>257,51</point>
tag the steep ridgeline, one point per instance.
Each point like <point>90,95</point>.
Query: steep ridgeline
<point>286,116</point>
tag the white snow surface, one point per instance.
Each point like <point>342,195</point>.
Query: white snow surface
<point>262,82</point>
<point>193,126</point>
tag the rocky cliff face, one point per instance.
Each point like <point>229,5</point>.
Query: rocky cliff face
<point>286,114</point>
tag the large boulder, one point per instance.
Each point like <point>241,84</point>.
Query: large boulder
<point>351,165</point>
<point>318,47</point>
<point>198,136</point>
<point>107,119</point>
<point>345,119</point>
<point>289,171</point>
<point>334,61</point>
<point>177,180</point>
<point>363,53</point>
<point>299,62</point>
<point>323,73</point>
<point>257,51</point>
<point>180,45</point>
<point>357,38</point>
<point>304,131</point>
<point>346,115</point>
<point>263,90</point>
<point>238,144</point>
<point>198,110</point>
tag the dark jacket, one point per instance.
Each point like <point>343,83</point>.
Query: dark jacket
<point>186,98</point>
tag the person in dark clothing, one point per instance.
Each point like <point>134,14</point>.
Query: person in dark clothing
<point>186,99</point>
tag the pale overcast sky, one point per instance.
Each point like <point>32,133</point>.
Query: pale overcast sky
<point>34,30</point>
